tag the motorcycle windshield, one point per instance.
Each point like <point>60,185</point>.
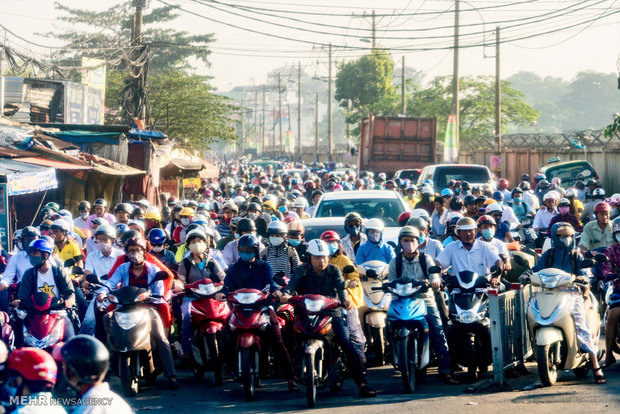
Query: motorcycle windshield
<point>41,325</point>
<point>466,300</point>
<point>406,309</point>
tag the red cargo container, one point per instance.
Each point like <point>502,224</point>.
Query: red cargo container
<point>389,144</point>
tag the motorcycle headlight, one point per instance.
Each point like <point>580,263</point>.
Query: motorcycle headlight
<point>128,320</point>
<point>467,317</point>
<point>206,289</point>
<point>314,305</point>
<point>549,281</point>
<point>246,298</point>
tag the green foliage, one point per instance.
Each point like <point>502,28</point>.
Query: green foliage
<point>477,105</point>
<point>614,127</point>
<point>367,83</point>
<point>185,108</point>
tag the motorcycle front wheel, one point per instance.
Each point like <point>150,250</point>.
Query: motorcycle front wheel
<point>378,339</point>
<point>547,369</point>
<point>129,380</point>
<point>311,380</point>
<point>406,364</point>
<point>247,374</point>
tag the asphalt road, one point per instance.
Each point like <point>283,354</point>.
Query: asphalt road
<point>523,395</point>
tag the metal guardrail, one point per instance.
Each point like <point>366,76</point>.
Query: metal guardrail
<point>510,342</point>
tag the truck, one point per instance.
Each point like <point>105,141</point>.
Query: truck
<point>389,144</point>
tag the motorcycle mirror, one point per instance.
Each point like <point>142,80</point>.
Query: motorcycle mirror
<point>76,270</point>
<point>586,263</point>
<point>495,271</point>
<point>371,273</point>
<point>348,269</point>
<point>391,243</point>
<point>521,261</point>
<point>601,258</point>
<point>92,278</point>
<point>161,275</point>
<point>69,263</point>
<point>434,270</point>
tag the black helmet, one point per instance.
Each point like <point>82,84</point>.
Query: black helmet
<point>100,202</point>
<point>30,231</point>
<point>249,241</point>
<point>543,184</point>
<point>456,204</point>
<point>245,225</point>
<point>465,185</point>
<point>136,211</point>
<point>470,199</point>
<point>254,206</point>
<point>86,357</point>
<point>84,205</point>
<point>128,235</point>
<point>525,177</point>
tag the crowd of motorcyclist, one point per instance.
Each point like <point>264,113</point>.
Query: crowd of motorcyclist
<point>245,230</point>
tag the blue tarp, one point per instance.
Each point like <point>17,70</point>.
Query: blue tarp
<point>86,137</point>
<point>142,134</point>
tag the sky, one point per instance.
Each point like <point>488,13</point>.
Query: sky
<point>550,37</point>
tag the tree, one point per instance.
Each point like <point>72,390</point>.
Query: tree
<point>477,105</point>
<point>591,100</point>
<point>367,83</point>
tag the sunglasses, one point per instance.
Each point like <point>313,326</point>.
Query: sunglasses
<point>45,228</point>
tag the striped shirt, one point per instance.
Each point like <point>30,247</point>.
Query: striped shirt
<point>283,259</point>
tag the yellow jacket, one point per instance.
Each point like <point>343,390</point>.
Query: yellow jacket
<point>355,294</point>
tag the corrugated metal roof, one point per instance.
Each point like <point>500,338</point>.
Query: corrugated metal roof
<point>54,164</point>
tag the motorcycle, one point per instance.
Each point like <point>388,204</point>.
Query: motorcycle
<point>470,338</point>
<point>526,233</point>
<point>321,363</point>
<point>207,316</point>
<point>285,313</point>
<point>6,331</point>
<point>129,334</point>
<point>249,318</point>
<point>373,314</point>
<point>407,319</point>
<point>551,324</point>
<point>610,291</point>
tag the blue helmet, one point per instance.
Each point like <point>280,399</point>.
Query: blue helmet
<point>121,228</point>
<point>249,241</point>
<point>157,236</point>
<point>41,245</point>
<point>498,196</point>
<point>446,192</point>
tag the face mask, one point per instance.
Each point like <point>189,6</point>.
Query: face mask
<point>297,242</point>
<point>488,234</point>
<point>333,248</point>
<point>185,221</point>
<point>276,241</point>
<point>237,235</point>
<point>422,238</point>
<point>246,256</point>
<point>282,209</point>
<point>409,247</point>
<point>35,261</point>
<point>354,230</point>
<point>20,246</point>
<point>136,258</point>
<point>157,249</point>
<point>103,247</point>
<point>84,215</point>
<point>252,216</point>
<point>566,241</point>
<point>516,199</point>
<point>564,210</point>
<point>198,247</point>
<point>374,237</point>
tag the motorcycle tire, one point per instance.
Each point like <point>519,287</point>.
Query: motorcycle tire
<point>129,381</point>
<point>247,376</point>
<point>213,345</point>
<point>378,340</point>
<point>405,366</point>
<point>472,365</point>
<point>547,371</point>
<point>311,380</point>
<point>581,372</point>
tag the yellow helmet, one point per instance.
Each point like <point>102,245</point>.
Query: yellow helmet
<point>269,204</point>
<point>152,215</point>
<point>187,211</point>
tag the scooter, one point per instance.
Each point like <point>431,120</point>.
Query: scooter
<point>207,316</point>
<point>407,318</point>
<point>470,337</point>
<point>373,314</point>
<point>129,334</point>
<point>248,320</point>
<point>551,324</point>
<point>321,361</point>
<point>610,291</point>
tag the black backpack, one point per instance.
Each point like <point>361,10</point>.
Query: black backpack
<point>399,265</point>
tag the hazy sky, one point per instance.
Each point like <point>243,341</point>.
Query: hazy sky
<point>582,34</point>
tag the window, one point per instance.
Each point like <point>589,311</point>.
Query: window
<point>387,210</point>
<point>469,174</point>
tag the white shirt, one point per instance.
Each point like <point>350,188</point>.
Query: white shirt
<point>114,403</point>
<point>543,218</point>
<point>509,215</point>
<point>40,403</point>
<point>498,246</point>
<point>347,245</point>
<point>99,264</point>
<point>432,248</point>
<point>17,266</point>
<point>531,200</point>
<point>80,223</point>
<point>478,259</point>
<point>46,283</point>
<point>90,245</point>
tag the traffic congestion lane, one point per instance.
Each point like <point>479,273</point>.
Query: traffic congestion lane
<point>569,395</point>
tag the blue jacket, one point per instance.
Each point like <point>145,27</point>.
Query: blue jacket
<point>560,257</point>
<point>249,275</point>
<point>375,251</point>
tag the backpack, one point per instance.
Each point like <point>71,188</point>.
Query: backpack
<point>574,256</point>
<point>399,265</point>
<point>187,263</point>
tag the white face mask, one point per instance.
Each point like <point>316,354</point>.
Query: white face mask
<point>253,216</point>
<point>276,241</point>
<point>185,221</point>
<point>409,247</point>
<point>84,215</point>
<point>198,247</point>
<point>374,237</point>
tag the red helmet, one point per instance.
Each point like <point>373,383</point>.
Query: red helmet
<point>390,184</point>
<point>330,236</point>
<point>33,364</point>
<point>403,218</point>
<point>486,219</point>
<point>309,185</point>
<point>503,183</point>
<point>602,207</point>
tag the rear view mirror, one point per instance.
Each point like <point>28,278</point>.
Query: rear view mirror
<point>586,263</point>
<point>371,273</point>
<point>601,258</point>
<point>92,278</point>
<point>348,269</point>
<point>520,261</point>
<point>434,270</point>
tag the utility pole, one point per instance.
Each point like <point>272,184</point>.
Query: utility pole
<point>498,96</point>
<point>298,111</point>
<point>374,30</point>
<point>455,75</point>
<point>262,133</point>
<point>316,125</point>
<point>329,107</point>
<point>280,112</point>
<point>242,119</point>
<point>403,91</point>
<point>256,115</point>
<point>137,74</point>
<point>373,26</point>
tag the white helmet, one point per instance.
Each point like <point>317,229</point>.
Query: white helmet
<point>300,202</point>
<point>551,195</point>
<point>598,192</point>
<point>239,200</point>
<point>420,212</point>
<point>466,223</point>
<point>318,247</point>
<point>375,224</point>
<point>491,208</point>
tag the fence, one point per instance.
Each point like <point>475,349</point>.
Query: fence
<point>510,341</point>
